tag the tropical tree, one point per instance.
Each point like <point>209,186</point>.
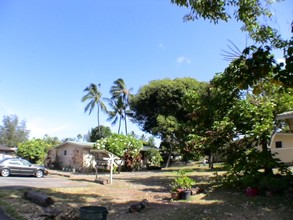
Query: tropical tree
<point>161,98</point>
<point>121,94</point>
<point>159,109</point>
<point>94,95</point>
<point>13,131</point>
<point>96,135</point>
<point>117,112</point>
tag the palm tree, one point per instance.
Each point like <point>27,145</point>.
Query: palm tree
<point>94,96</point>
<point>116,114</point>
<point>120,91</point>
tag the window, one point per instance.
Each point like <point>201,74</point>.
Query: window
<point>14,162</point>
<point>278,144</point>
<point>65,152</point>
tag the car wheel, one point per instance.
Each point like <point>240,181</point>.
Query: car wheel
<point>5,172</point>
<point>39,173</point>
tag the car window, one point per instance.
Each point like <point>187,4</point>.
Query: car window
<point>26,163</point>
<point>14,162</point>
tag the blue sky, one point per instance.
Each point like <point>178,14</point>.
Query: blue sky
<point>50,50</point>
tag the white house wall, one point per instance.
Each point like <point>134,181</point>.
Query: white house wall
<point>285,152</point>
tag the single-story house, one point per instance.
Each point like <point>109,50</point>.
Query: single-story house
<point>6,151</point>
<point>282,143</point>
<point>76,155</point>
<point>81,156</point>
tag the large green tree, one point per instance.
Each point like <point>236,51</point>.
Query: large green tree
<point>94,96</point>
<point>161,100</point>
<point>159,109</point>
<point>13,131</point>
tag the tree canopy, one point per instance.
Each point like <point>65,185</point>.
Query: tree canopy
<point>35,150</point>
<point>99,132</point>
<point>94,96</point>
<point>160,103</point>
<point>13,131</point>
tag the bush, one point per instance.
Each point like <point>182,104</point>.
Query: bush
<point>154,157</point>
<point>249,170</point>
<point>182,181</point>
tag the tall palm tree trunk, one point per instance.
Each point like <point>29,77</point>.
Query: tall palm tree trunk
<point>98,115</point>
<point>125,122</point>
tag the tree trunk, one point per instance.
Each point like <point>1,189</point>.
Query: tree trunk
<point>169,156</point>
<point>268,169</point>
<point>38,198</point>
<point>211,161</point>
<point>125,125</point>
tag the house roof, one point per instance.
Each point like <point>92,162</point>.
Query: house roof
<point>285,115</point>
<point>77,144</point>
<point>288,117</point>
<point>4,148</point>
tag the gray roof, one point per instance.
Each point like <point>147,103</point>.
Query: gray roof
<point>288,117</point>
<point>77,144</point>
<point>4,148</point>
<point>285,115</point>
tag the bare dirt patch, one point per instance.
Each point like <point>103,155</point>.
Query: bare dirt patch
<point>131,188</point>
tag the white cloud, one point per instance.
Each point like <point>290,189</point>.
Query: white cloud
<point>281,60</point>
<point>162,46</point>
<point>183,59</point>
<point>39,127</point>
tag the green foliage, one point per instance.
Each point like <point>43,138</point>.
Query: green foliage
<point>99,132</point>
<point>154,157</point>
<point>159,109</point>
<point>119,103</point>
<point>127,147</point>
<point>119,144</point>
<point>257,66</point>
<point>182,181</point>
<point>245,168</point>
<point>94,96</point>
<point>33,150</point>
<point>13,131</point>
<point>160,103</point>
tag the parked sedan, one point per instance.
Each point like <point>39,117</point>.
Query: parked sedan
<point>18,166</point>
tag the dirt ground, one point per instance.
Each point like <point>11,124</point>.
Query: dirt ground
<point>131,188</point>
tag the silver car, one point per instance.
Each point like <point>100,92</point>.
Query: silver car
<point>18,166</point>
